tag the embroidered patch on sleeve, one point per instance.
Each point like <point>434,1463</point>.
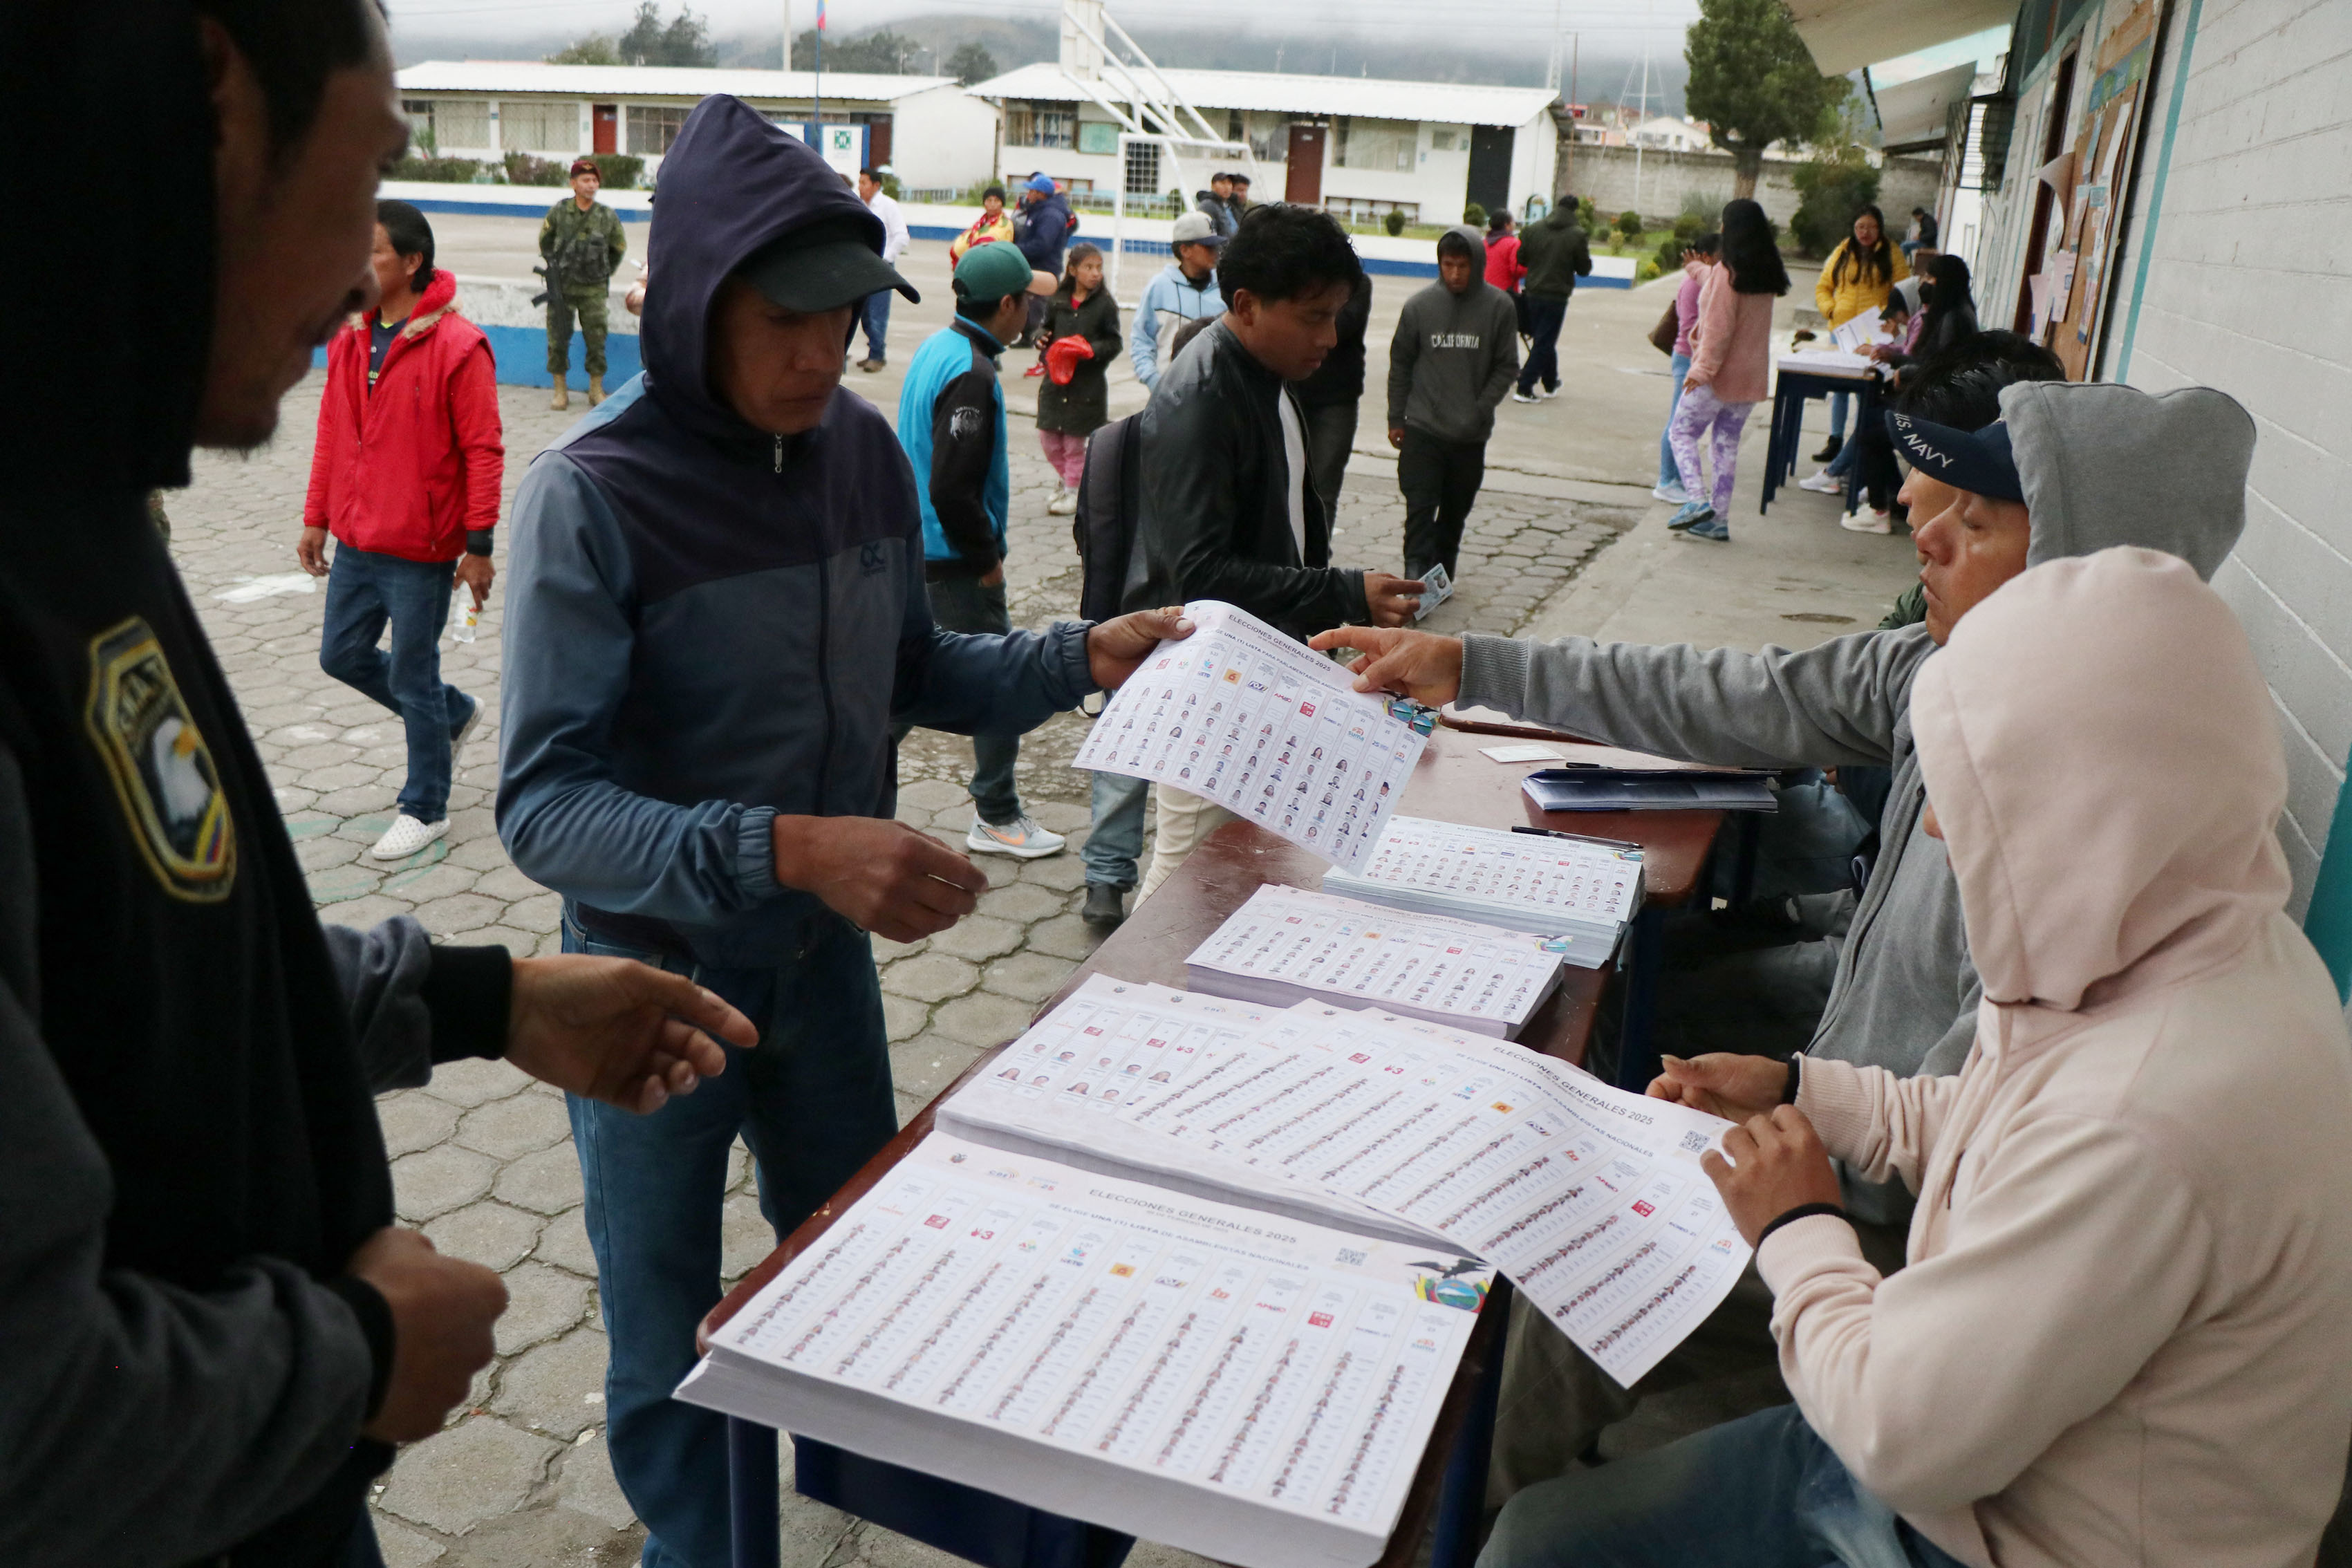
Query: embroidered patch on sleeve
<point>164,773</point>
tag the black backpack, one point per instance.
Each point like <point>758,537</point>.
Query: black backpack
<point>1110,510</point>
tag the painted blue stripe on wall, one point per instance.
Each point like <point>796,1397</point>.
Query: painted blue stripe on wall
<point>2155,202</point>
<point>521,356</point>
<point>2328,921</point>
<point>509,210</point>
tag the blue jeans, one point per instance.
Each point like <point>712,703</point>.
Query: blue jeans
<point>1667,473</point>
<point>1115,843</point>
<point>364,589</point>
<point>875,314</point>
<point>1545,318</point>
<point>813,1100</point>
<point>964,605</point>
<point>1837,414</point>
<point>1759,1492</point>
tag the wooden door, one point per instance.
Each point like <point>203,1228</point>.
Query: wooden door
<point>2054,138</point>
<point>606,122</point>
<point>1302,183</point>
<point>878,142</point>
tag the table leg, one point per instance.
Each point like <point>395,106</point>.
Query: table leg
<point>1637,1053</point>
<point>1462,1498</point>
<point>1751,828</point>
<point>755,1527</point>
<point>1773,452</point>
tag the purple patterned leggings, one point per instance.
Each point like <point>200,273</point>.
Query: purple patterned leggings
<point>1700,411</point>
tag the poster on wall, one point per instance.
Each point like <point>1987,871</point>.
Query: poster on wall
<point>2079,271</point>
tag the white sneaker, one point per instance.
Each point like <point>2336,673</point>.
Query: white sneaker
<point>1521,397</point>
<point>1823,482</point>
<point>1546,393</point>
<point>406,835</point>
<point>1063,505</point>
<point>1021,839</point>
<point>1673,495</point>
<point>1862,519</point>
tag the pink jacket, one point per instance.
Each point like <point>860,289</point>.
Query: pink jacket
<point>1731,349</point>
<point>1687,294</point>
<point>2123,1335</point>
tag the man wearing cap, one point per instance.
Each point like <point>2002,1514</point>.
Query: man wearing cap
<point>952,423</point>
<point>1183,290</point>
<point>1042,228</point>
<point>1239,203</point>
<point>1216,203</point>
<point>581,241</point>
<point>715,614</point>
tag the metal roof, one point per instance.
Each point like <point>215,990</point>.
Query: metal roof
<point>519,76</point>
<point>1913,113</point>
<point>1435,102</point>
<point>1845,35</point>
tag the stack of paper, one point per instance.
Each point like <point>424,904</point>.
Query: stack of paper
<point>1198,1374</point>
<point>1241,715</point>
<point>1288,944</point>
<point>1524,882</point>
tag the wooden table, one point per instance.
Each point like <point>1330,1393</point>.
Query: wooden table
<point>1790,390</point>
<point>1453,782</point>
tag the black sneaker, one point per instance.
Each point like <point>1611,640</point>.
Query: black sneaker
<point>1105,905</point>
<point>1835,445</point>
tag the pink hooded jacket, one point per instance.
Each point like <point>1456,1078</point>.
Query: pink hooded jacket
<point>2125,1332</point>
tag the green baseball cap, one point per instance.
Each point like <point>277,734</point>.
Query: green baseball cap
<point>822,267</point>
<point>992,271</point>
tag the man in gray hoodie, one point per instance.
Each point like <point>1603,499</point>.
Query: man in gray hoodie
<point>2094,466</point>
<point>1455,352</point>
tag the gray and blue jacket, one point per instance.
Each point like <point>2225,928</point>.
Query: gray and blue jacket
<point>708,625</point>
<point>952,423</point>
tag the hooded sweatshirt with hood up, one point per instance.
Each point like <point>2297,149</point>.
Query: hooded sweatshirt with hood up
<point>2102,465</point>
<point>708,625</point>
<point>2124,1333</point>
<point>1453,355</point>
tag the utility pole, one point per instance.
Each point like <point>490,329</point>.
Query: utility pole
<point>788,35</point>
<point>1643,114</point>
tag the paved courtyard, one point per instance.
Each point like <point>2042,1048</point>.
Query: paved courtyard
<point>483,1160</point>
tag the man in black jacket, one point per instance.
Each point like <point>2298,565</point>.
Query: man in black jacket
<point>211,1332</point>
<point>1555,254</point>
<point>1231,511</point>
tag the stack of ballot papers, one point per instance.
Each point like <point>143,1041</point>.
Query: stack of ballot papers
<point>1288,944</point>
<point>1241,715</point>
<point>1579,891</point>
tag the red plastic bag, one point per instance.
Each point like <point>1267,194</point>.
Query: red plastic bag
<point>1062,357</point>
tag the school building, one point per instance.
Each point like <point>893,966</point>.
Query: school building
<point>929,127</point>
<point>2166,189</point>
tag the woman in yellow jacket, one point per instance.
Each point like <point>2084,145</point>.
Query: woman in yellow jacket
<point>991,226</point>
<point>1857,277</point>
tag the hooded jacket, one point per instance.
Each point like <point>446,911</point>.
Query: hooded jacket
<point>1555,254</point>
<point>2123,1335</point>
<point>189,1152</point>
<point>708,625</point>
<point>412,465</point>
<point>2102,465</point>
<point>1218,210</point>
<point>1043,229</point>
<point>1169,293</point>
<point>1452,357</point>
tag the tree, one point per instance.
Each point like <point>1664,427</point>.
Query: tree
<point>882,52</point>
<point>971,63</point>
<point>683,40</point>
<point>1754,83</point>
<point>595,49</point>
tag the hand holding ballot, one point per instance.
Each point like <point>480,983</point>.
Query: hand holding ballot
<point>1780,1167</point>
<point>1423,666</point>
<point>1117,646</point>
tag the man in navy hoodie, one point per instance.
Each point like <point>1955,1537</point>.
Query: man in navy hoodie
<point>716,610</point>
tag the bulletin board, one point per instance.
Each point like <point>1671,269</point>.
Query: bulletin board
<point>2088,184</point>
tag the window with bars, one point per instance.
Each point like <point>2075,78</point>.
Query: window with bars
<point>455,123</point>
<point>1040,125</point>
<point>1142,168</point>
<point>653,127</point>
<point>538,125</point>
<point>1374,145</point>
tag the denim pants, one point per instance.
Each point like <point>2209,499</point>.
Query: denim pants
<point>1667,473</point>
<point>962,605</point>
<point>875,313</point>
<point>1837,414</point>
<point>1115,842</point>
<point>1440,480</point>
<point>364,589</point>
<point>813,1101</point>
<point>1545,318</point>
<point>1759,1492</point>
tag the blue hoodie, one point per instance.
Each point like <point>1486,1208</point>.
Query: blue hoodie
<point>1043,232</point>
<point>708,625</point>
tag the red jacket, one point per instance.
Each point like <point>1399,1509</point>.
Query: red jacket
<point>1502,269</point>
<point>409,467</point>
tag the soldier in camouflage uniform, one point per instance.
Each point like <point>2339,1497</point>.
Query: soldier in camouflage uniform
<point>583,243</point>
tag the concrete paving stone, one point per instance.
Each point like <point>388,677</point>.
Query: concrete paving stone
<point>1061,815</point>
<point>293,798</point>
<point>547,1182</point>
<point>342,884</point>
<point>931,977</point>
<point>745,1235</point>
<point>587,1485</point>
<point>322,854</point>
<point>421,884</point>
<point>404,1548</point>
<point>541,1302</point>
<point>348,800</point>
<point>977,937</point>
<point>934,795</point>
<point>564,1244</point>
<point>486,854</point>
<point>517,1125</point>
<point>1152,1554</point>
<point>885,951</point>
<point>982,1018</point>
<point>1023,902</point>
<point>1000,868</point>
<point>413,1120</point>
<point>473,1471</point>
<point>556,1388</point>
<point>503,882</point>
<point>903,1018</point>
<point>1062,872</point>
<point>910,1105</point>
<point>1029,977</point>
<point>518,943</point>
<point>543,914</point>
<point>434,1181</point>
<point>1063,936</point>
<point>474,1082</point>
<point>486,1232</point>
<point>927,1064</point>
<point>341,775</point>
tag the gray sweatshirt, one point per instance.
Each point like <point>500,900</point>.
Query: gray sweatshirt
<point>1453,357</point>
<point>2102,465</point>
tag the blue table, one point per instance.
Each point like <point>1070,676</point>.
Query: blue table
<point>1790,391</point>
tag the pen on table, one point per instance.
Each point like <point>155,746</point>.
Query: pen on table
<point>1578,838</point>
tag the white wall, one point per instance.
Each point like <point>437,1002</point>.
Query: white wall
<point>942,138</point>
<point>1535,161</point>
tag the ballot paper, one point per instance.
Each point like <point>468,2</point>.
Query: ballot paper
<point>1859,332</point>
<point>1241,715</point>
<point>1288,944</point>
<point>1205,1375</point>
<point>1578,889</point>
<point>1591,1198</point>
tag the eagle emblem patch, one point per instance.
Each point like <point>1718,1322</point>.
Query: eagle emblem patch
<point>164,773</point>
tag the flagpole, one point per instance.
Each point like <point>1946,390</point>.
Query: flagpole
<point>820,79</point>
